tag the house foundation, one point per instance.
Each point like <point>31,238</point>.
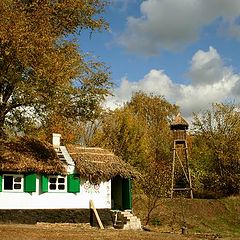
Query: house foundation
<point>33,216</point>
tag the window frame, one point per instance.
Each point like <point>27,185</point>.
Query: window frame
<point>57,184</point>
<point>13,176</point>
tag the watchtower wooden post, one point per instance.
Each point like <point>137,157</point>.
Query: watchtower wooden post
<point>180,165</point>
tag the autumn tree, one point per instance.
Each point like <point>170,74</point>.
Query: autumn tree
<point>216,149</point>
<point>124,133</point>
<point>156,112</point>
<point>139,133</point>
<point>43,73</point>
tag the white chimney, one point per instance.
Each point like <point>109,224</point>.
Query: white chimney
<point>56,137</point>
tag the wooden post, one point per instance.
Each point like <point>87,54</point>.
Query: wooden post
<point>189,173</point>
<point>173,169</point>
<point>91,206</point>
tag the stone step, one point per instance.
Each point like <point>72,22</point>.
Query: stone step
<point>119,225</point>
<point>132,226</point>
<point>127,213</point>
<point>131,218</point>
<point>126,220</point>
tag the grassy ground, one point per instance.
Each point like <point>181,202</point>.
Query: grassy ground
<point>205,219</point>
<point>219,217</point>
<point>74,232</point>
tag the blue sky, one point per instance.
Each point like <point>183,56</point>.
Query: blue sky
<point>186,51</point>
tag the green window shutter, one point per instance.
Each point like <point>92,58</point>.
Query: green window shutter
<point>44,183</point>
<point>73,183</point>
<point>30,182</point>
<point>0,183</point>
<point>127,193</point>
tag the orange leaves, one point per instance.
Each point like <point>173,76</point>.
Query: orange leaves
<point>139,132</point>
<point>41,69</point>
<point>216,149</point>
<point>31,28</point>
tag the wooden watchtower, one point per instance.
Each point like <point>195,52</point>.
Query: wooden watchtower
<point>181,178</point>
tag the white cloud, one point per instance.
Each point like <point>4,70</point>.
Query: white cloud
<point>212,81</point>
<point>172,24</point>
<point>206,67</point>
<point>156,82</point>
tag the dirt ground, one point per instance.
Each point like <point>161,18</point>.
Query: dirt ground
<point>85,232</point>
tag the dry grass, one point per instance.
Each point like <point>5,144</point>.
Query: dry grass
<point>78,231</point>
<point>206,219</point>
<point>217,217</point>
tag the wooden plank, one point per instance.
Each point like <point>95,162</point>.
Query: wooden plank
<point>91,205</point>
<point>181,189</point>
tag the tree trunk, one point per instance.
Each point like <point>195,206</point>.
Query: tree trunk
<point>2,132</point>
<point>152,204</point>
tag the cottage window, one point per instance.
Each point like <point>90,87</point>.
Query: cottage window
<point>56,183</point>
<point>70,184</point>
<point>13,183</point>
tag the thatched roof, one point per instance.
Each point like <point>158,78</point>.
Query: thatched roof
<point>25,154</point>
<point>98,164</point>
<point>179,123</point>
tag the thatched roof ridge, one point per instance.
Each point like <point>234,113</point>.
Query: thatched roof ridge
<point>25,154</point>
<point>179,121</point>
<point>98,164</point>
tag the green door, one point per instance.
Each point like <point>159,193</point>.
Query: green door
<point>127,194</point>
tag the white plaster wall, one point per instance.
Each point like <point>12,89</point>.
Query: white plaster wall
<point>37,200</point>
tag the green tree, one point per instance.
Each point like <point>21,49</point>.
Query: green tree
<point>216,149</point>
<point>43,73</point>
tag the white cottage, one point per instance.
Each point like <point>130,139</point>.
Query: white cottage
<point>37,176</point>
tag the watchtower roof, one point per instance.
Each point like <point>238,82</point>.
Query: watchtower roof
<point>179,123</point>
